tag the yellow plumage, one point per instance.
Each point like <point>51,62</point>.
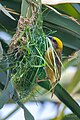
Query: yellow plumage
<point>49,66</point>
<point>53,74</point>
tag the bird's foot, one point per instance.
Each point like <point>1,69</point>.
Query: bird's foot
<point>37,80</point>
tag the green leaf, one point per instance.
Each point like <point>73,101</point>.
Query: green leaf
<point>1,51</point>
<point>27,114</point>
<point>6,94</point>
<point>68,9</point>
<point>64,23</point>
<point>77,7</point>
<point>70,117</point>
<point>64,96</point>
<point>5,47</point>
<point>3,76</point>
<point>24,8</point>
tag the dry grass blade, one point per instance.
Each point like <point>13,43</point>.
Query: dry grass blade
<point>6,12</point>
<point>63,15</point>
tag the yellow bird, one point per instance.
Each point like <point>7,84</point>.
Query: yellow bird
<point>53,61</point>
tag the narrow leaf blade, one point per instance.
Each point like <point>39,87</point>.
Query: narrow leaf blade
<point>27,114</point>
<point>7,93</point>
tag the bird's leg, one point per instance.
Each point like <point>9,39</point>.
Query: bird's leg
<point>53,85</point>
<point>37,80</point>
<point>52,93</point>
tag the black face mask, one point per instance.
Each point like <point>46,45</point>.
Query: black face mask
<point>54,43</point>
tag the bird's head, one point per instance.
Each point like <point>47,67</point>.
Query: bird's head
<point>56,43</point>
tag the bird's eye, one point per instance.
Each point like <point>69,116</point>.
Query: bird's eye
<point>54,41</point>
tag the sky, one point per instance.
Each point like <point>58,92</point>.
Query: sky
<point>39,111</point>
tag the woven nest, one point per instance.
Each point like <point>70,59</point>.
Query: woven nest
<point>26,54</point>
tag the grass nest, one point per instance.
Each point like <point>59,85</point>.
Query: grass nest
<point>26,54</point>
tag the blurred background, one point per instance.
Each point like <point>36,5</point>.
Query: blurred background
<point>67,27</point>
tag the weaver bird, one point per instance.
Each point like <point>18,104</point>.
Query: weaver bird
<point>53,61</point>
